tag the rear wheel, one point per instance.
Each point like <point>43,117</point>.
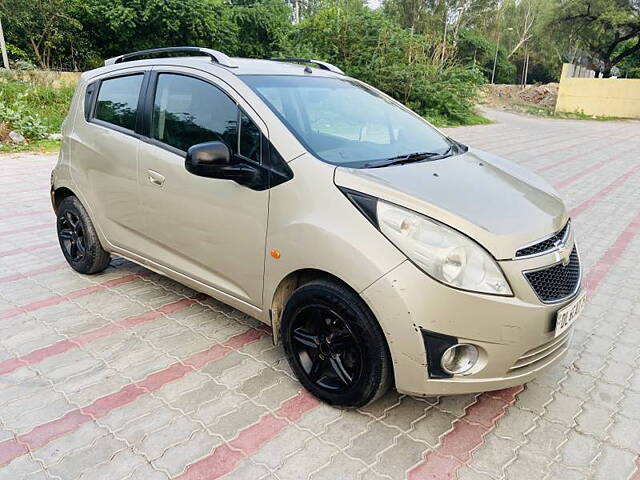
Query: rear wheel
<point>78,238</point>
<point>335,345</point>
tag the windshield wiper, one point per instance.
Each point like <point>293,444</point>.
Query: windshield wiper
<point>410,157</point>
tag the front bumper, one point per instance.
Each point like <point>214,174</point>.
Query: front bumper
<point>515,334</point>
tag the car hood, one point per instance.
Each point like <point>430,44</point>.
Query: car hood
<point>494,201</point>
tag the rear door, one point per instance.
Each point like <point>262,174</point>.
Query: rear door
<point>209,229</point>
<point>104,149</point>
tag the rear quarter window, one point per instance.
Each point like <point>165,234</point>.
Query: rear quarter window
<point>117,101</point>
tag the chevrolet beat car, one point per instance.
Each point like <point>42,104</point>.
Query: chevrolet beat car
<point>380,251</point>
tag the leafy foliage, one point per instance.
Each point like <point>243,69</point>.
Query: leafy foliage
<point>33,110</point>
<point>609,30</point>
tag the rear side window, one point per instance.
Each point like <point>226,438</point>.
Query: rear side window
<point>117,101</point>
<point>188,111</point>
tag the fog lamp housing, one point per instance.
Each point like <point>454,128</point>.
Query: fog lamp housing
<point>459,358</point>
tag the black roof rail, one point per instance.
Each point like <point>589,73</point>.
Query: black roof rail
<point>319,63</point>
<point>215,55</point>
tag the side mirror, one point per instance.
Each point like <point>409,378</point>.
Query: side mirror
<point>214,160</point>
<point>210,159</point>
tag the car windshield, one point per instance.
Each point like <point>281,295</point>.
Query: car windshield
<point>345,123</point>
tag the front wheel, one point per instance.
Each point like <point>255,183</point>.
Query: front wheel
<point>335,346</point>
<point>78,238</point>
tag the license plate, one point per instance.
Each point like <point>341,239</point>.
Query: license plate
<point>567,315</point>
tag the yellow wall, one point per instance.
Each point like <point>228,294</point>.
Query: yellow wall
<point>607,97</point>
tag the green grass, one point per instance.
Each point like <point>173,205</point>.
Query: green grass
<point>550,112</point>
<point>33,110</point>
<point>49,103</point>
<point>474,119</point>
<point>39,146</point>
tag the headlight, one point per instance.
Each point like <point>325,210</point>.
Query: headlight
<point>440,251</point>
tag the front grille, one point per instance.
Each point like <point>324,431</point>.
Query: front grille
<point>558,281</point>
<point>544,245</point>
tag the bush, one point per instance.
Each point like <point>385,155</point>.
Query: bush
<point>33,110</point>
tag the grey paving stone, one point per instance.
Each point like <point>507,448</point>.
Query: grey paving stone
<point>557,470</point>
<point>514,425</point>
<point>625,432</point>
<point>563,409</point>
<point>534,398</point>
<point>157,442</point>
<point>579,450</point>
<point>179,456</point>
<point>432,426</point>
<point>286,443</point>
<point>614,463</point>
<point>545,438</point>
<point>190,401</point>
<point>529,464</point>
<point>314,455</point>
<point>231,423</point>
<point>594,420</point>
<point>173,390</point>
<point>119,466</point>
<point>341,431</point>
<point>272,397</point>
<point>577,384</point>
<point>493,455</point>
<point>80,460</point>
<point>376,438</point>
<point>210,412</point>
<point>607,394</point>
<point>341,466</point>
<point>21,467</point>
<point>247,469</point>
<point>254,385</point>
<point>317,420</point>
<point>408,411</point>
<point>404,454</point>
<point>467,473</point>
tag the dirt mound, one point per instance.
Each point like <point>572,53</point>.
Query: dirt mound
<point>544,95</point>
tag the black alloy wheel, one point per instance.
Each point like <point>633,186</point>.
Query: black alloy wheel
<point>334,344</point>
<point>78,238</point>
<point>71,236</point>
<point>326,348</point>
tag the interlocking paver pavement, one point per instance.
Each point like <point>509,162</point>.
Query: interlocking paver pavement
<point>129,375</point>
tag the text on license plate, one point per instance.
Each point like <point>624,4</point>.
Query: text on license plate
<point>567,315</point>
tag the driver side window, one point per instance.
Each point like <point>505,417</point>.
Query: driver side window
<point>188,111</point>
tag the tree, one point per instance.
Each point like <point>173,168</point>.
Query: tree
<point>46,28</point>
<point>608,29</point>
<point>262,25</point>
<point>120,26</point>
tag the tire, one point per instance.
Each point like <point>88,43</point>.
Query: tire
<point>78,238</point>
<point>335,346</point>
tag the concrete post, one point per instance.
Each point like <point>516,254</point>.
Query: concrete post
<point>3,47</point>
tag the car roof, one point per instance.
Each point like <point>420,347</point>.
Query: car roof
<point>241,66</point>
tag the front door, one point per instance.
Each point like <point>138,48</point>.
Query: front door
<point>209,229</point>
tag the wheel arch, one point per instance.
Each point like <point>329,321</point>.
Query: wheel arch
<point>289,284</point>
<point>59,194</point>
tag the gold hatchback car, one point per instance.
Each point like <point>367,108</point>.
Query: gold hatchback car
<point>380,251</point>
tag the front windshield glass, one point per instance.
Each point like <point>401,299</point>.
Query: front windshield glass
<point>342,122</point>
